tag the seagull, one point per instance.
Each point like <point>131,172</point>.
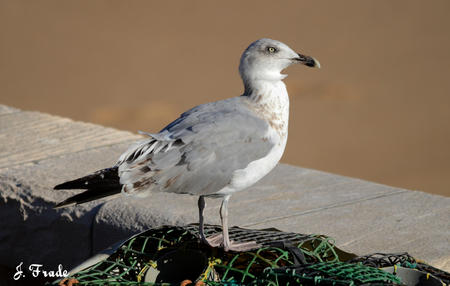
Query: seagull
<point>212,150</point>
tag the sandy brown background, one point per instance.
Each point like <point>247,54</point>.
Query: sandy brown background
<point>379,109</point>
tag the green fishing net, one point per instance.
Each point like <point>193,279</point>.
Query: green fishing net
<point>170,255</point>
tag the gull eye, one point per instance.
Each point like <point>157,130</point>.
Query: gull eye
<point>271,50</point>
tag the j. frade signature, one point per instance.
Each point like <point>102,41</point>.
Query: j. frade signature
<point>36,270</point>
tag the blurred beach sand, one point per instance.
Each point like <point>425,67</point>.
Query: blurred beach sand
<point>379,109</point>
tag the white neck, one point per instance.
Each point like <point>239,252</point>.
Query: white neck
<point>270,98</point>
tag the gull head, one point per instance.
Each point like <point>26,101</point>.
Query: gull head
<point>264,60</point>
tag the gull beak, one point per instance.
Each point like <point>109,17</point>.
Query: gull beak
<point>307,61</point>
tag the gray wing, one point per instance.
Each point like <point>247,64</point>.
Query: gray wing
<point>198,152</point>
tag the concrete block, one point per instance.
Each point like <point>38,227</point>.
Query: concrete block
<point>32,136</point>
<point>36,233</point>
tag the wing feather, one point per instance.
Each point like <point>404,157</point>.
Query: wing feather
<point>198,152</point>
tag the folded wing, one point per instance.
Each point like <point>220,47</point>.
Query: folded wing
<point>197,153</point>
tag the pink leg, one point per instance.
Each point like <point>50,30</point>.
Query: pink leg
<point>224,238</point>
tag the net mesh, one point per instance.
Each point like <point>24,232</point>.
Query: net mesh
<point>169,255</point>
<point>334,273</point>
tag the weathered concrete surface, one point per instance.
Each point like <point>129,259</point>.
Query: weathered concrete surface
<point>7,109</point>
<point>35,136</point>
<point>38,151</point>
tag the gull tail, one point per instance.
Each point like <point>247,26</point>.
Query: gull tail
<point>103,183</point>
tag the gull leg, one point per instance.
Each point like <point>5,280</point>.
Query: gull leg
<point>232,245</point>
<point>224,238</point>
<point>201,229</point>
<point>213,241</point>
<point>224,219</point>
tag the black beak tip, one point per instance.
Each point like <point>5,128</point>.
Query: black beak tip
<point>310,64</point>
<point>308,61</point>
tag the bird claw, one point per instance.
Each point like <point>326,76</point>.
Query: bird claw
<point>217,241</point>
<point>214,240</point>
<point>243,246</point>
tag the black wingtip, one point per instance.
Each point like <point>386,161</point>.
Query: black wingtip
<point>99,178</point>
<point>103,183</point>
<point>70,185</point>
<point>62,186</point>
<point>80,183</point>
<point>90,195</point>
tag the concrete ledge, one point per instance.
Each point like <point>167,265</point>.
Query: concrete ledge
<point>38,151</point>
